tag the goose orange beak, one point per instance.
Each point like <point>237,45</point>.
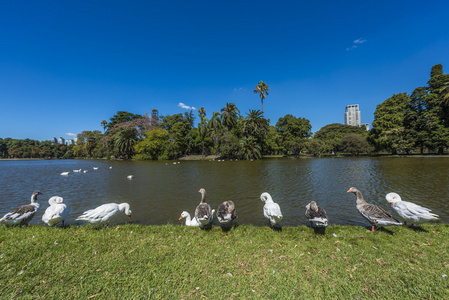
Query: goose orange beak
<point>349,191</point>
<point>180,217</point>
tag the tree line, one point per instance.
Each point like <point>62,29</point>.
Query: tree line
<point>403,124</point>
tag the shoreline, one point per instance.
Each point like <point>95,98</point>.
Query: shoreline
<point>214,157</point>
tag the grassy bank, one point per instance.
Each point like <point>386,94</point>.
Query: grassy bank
<point>178,262</point>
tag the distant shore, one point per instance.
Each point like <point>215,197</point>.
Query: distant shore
<point>214,157</point>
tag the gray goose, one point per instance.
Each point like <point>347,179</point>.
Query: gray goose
<point>376,215</point>
<point>316,215</point>
<point>22,215</point>
<point>226,212</point>
<point>203,212</point>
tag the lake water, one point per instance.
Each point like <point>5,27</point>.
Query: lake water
<point>160,191</point>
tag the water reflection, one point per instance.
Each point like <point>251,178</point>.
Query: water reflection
<point>160,191</point>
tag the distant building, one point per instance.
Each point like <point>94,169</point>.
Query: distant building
<point>54,141</point>
<point>61,141</point>
<point>353,116</point>
<point>69,142</point>
<point>366,125</point>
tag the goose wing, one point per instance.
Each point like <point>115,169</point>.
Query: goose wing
<point>222,212</point>
<point>203,211</point>
<point>22,214</point>
<point>271,209</point>
<point>376,215</point>
<point>100,214</point>
<point>311,214</point>
<point>409,210</point>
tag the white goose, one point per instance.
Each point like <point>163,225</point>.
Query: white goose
<point>203,213</point>
<point>104,213</point>
<point>22,214</point>
<point>271,210</point>
<point>410,212</point>
<point>189,220</point>
<point>56,212</point>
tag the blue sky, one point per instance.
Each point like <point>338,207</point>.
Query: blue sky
<point>67,65</point>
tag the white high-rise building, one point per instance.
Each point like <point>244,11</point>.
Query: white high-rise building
<point>352,115</point>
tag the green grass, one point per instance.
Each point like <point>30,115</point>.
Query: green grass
<point>178,262</point>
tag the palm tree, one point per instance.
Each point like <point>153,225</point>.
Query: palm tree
<point>104,123</point>
<point>229,115</point>
<point>255,124</point>
<point>250,148</point>
<point>215,126</point>
<point>124,144</point>
<point>262,88</point>
<point>202,112</point>
<point>202,127</point>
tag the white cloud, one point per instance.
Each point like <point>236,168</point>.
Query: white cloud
<point>182,105</point>
<point>359,41</point>
<point>71,134</point>
<point>356,43</point>
<point>238,89</point>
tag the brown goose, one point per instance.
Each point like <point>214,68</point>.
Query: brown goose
<point>226,212</point>
<point>203,212</point>
<point>376,215</point>
<point>316,215</point>
<point>22,214</point>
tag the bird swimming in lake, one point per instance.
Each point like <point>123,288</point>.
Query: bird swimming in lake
<point>226,212</point>
<point>65,173</point>
<point>104,213</point>
<point>189,220</point>
<point>410,212</point>
<point>376,215</point>
<point>22,214</point>
<point>56,212</point>
<point>271,210</point>
<point>203,213</point>
<point>316,215</point>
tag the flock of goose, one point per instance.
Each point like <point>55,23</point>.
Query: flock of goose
<point>226,213</point>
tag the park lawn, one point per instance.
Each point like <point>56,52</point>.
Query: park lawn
<point>179,262</point>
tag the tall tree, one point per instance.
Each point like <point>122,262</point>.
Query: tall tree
<point>437,115</point>
<point>414,118</point>
<point>388,130</point>
<point>294,131</point>
<point>122,117</point>
<point>229,115</point>
<point>125,141</point>
<point>104,123</point>
<point>215,128</point>
<point>202,127</point>
<point>255,125</point>
<point>262,89</point>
